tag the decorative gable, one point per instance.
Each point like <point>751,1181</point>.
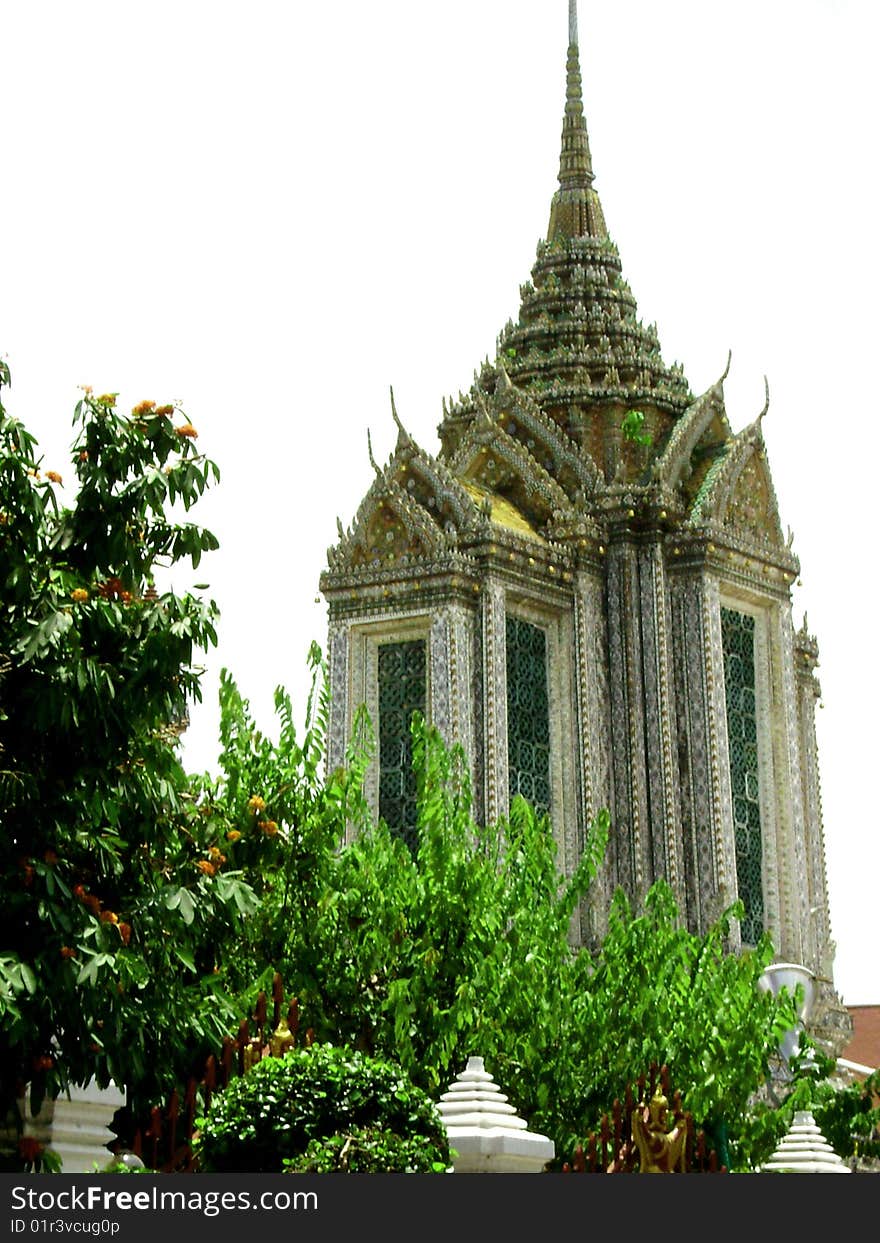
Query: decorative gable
<point>751,507</point>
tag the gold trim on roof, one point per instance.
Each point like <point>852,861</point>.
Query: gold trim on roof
<point>503,514</point>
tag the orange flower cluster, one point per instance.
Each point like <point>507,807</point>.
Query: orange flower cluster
<point>269,827</point>
<point>53,476</point>
<point>43,1063</point>
<point>216,855</point>
<point>109,917</point>
<point>29,1148</point>
<point>79,595</point>
<point>112,589</point>
<point>165,410</point>
<point>187,430</point>
<point>107,399</point>
<point>124,931</point>
<point>67,951</point>
<point>206,867</point>
<point>143,407</point>
<point>255,803</point>
<point>233,835</point>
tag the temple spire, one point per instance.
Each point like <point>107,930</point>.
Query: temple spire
<point>576,210</point>
<point>575,164</point>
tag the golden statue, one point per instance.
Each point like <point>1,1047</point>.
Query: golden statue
<point>661,1151</point>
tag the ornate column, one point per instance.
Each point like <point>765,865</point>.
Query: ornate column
<point>791,844</point>
<point>707,834</point>
<point>629,830</point>
<point>817,938</point>
<point>494,679</point>
<point>593,745</point>
<point>340,709</point>
<point>664,852</point>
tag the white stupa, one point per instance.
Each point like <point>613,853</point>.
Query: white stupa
<point>485,1130</point>
<point>805,1150</point>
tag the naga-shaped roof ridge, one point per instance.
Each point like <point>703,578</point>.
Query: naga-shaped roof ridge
<point>573,470</point>
<point>674,463</point>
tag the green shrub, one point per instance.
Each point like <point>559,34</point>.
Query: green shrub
<point>368,1150</point>
<point>270,1116</point>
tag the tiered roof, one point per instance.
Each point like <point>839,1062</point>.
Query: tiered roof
<point>578,423</point>
<point>578,347</point>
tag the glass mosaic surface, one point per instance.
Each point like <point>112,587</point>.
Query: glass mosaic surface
<point>402,681</point>
<point>528,714</point>
<point>738,635</point>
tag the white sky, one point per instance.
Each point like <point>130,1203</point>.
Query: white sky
<point>273,211</point>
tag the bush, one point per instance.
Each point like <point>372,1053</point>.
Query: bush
<point>367,1150</point>
<point>269,1117</point>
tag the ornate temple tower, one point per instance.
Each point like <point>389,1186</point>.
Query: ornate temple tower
<point>589,589</point>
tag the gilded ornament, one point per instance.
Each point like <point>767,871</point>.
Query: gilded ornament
<point>661,1151</point>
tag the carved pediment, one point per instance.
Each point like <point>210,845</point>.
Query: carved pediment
<point>738,494</point>
<point>390,529</point>
<point>550,446</point>
<point>751,510</point>
<point>494,460</point>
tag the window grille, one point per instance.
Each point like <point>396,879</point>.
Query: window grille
<point>528,714</point>
<point>402,680</point>
<point>738,635</point>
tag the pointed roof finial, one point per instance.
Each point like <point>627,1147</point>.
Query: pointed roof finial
<point>576,211</point>
<point>373,462</point>
<point>403,437</point>
<point>575,163</point>
<point>766,399</point>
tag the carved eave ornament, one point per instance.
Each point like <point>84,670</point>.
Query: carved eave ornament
<point>543,438</point>
<point>694,442</point>
<point>491,458</point>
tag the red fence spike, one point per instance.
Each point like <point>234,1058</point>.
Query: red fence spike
<point>277,999</point>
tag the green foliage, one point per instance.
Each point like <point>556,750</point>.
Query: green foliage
<point>368,1150</point>
<point>848,1116</point>
<point>113,902</point>
<point>656,992</point>
<point>323,1097</point>
<point>465,946</point>
<point>631,427</point>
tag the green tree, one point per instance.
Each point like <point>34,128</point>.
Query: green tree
<point>464,946</point>
<point>114,893</point>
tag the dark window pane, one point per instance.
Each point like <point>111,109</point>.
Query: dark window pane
<point>402,668</point>
<point>738,635</point>
<point>528,715</point>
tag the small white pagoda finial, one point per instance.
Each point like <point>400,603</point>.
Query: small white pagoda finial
<point>572,23</point>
